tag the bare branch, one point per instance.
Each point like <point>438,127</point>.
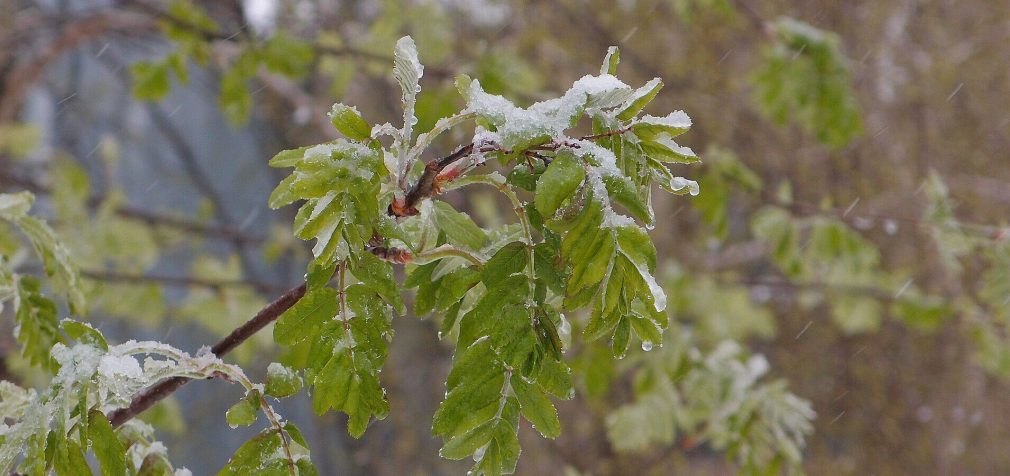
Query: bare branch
<point>221,232</point>
<point>154,394</point>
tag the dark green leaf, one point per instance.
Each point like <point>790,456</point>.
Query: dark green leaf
<point>109,451</point>
<point>299,322</point>
<point>510,259</point>
<point>84,334</point>
<point>623,191</point>
<point>558,182</point>
<point>537,408</point>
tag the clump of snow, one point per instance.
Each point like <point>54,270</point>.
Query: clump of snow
<point>678,119</point>
<point>675,147</point>
<point>277,370</point>
<point>680,183</point>
<point>76,363</point>
<point>604,156</point>
<point>112,366</point>
<point>548,118</point>
<point>261,15</point>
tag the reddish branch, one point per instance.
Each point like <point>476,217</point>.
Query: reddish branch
<point>427,185</point>
<point>159,391</point>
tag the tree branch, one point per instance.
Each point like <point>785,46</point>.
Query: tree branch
<point>178,281</point>
<point>427,185</point>
<point>222,232</point>
<point>154,394</point>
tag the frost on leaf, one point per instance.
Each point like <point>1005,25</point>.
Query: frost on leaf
<point>93,381</point>
<point>407,71</point>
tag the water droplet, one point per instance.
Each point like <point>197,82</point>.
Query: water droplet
<point>646,345</point>
<point>417,88</point>
<point>479,454</point>
<point>565,332</point>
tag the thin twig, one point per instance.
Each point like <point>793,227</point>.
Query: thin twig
<point>154,394</point>
<point>178,281</point>
<point>135,213</point>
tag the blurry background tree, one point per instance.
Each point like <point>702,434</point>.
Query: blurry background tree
<point>851,226</point>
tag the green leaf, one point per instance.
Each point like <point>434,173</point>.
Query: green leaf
<point>282,381</point>
<point>664,149</point>
<point>377,275</point>
<point>84,334</point>
<point>69,459</point>
<point>264,455</point>
<point>591,259</point>
<point>537,408</point>
<point>244,412</point>
<point>56,260</point>
<point>623,191</point>
<point>109,451</point>
<point>458,227</point>
<point>642,97</point>
<point>453,286</point>
<point>235,100</point>
<point>364,397</point>
<point>547,266</point>
<point>610,61</point>
<point>556,379</point>
<point>502,452</point>
<point>558,182</point>
<point>347,120</point>
<point>635,243</point>
<point>651,127</point>
<point>805,79</point>
<point>36,320</point>
<point>285,55</point>
<point>150,81</point>
<point>285,193</point>
<point>622,337</point>
<point>347,379</point>
<point>306,315</point>
<point>524,177</point>
<point>466,444</point>
<point>510,259</point>
<point>288,158</point>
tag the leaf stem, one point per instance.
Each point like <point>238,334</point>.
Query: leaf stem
<point>443,251</point>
